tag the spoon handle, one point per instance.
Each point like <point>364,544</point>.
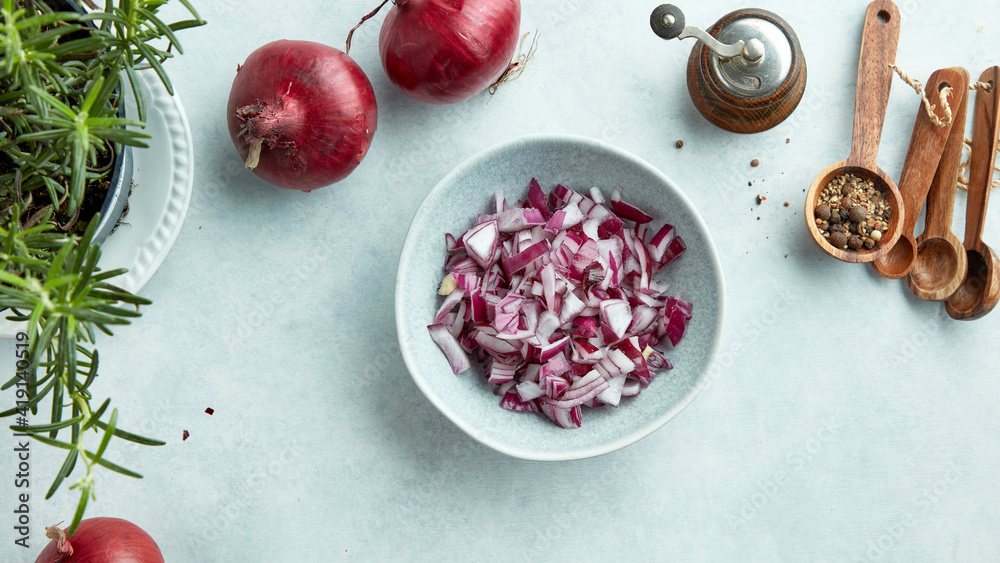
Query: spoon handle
<point>941,197</point>
<point>982,158</point>
<point>925,152</point>
<point>878,50</point>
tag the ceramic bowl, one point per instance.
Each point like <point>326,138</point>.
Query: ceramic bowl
<point>579,163</point>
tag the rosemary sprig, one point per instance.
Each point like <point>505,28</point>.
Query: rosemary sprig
<point>62,78</point>
<point>65,299</point>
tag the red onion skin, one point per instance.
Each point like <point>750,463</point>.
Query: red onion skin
<point>102,540</point>
<point>310,105</point>
<point>447,51</point>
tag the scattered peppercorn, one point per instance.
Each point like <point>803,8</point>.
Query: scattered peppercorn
<point>760,199</point>
<point>755,163</point>
<point>679,143</point>
<point>786,204</point>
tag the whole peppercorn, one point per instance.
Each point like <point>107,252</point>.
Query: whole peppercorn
<point>876,235</point>
<point>857,209</point>
<point>838,240</point>
<point>857,213</point>
<point>823,212</point>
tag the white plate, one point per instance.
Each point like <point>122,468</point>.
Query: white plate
<point>162,177</point>
<point>579,163</point>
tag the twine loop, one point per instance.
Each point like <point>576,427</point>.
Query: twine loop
<point>943,95</point>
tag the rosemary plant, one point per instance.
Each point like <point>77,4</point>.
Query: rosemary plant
<point>62,75</point>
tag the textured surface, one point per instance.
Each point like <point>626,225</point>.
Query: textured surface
<point>845,419</point>
<point>578,163</point>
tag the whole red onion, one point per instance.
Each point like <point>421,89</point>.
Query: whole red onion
<point>301,114</point>
<point>101,540</point>
<point>447,51</point>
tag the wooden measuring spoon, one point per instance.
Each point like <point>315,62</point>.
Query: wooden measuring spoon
<point>941,263</point>
<point>980,290</point>
<point>878,50</point>
<point>922,159</point>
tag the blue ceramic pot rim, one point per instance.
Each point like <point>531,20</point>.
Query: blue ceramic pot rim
<point>121,174</point>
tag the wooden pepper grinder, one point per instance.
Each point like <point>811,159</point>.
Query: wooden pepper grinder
<point>747,73</point>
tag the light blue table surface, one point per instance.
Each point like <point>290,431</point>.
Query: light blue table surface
<point>846,420</point>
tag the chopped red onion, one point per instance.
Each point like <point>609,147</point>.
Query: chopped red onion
<point>519,261</point>
<point>457,357</point>
<point>529,391</point>
<point>481,243</point>
<point>512,402</point>
<point>612,395</point>
<point>627,211</point>
<point>536,197</point>
<point>555,294</point>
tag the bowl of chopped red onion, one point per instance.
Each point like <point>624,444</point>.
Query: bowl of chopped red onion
<point>558,298</point>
